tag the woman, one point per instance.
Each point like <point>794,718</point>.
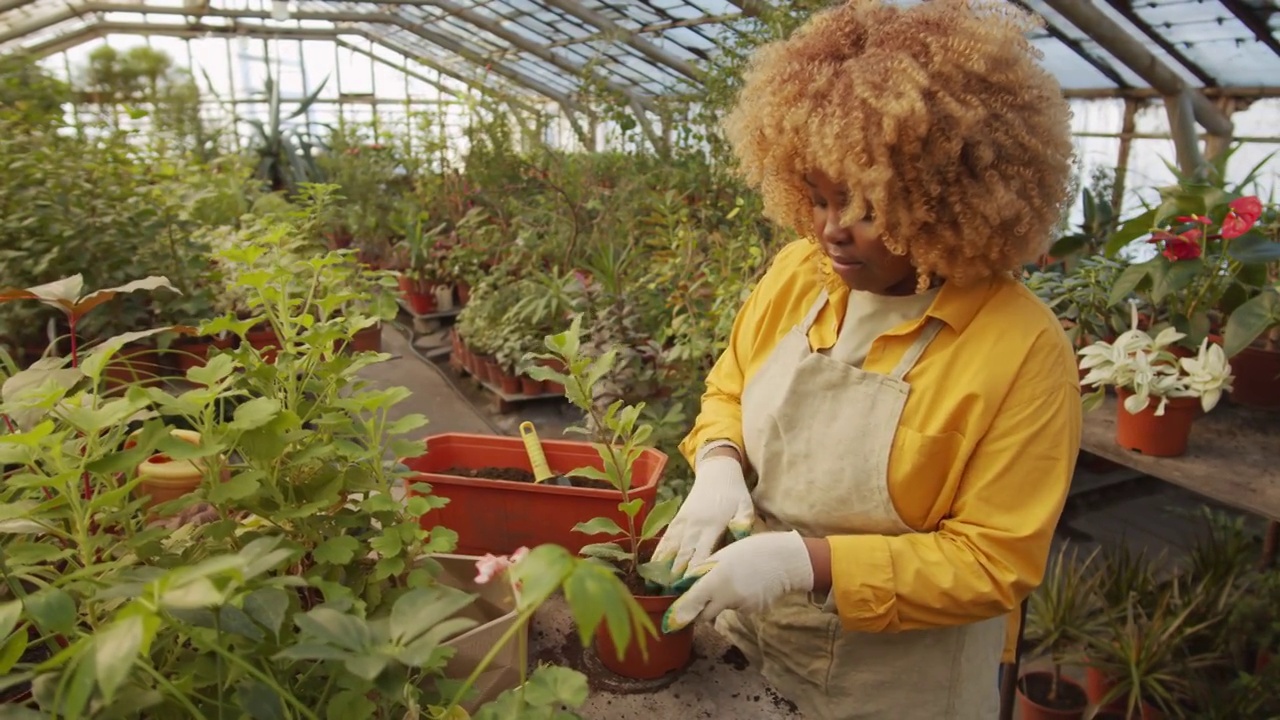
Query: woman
<point>909,410</point>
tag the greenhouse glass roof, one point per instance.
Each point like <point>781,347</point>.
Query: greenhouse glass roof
<point>648,49</point>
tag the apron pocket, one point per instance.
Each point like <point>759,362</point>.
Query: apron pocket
<point>797,643</point>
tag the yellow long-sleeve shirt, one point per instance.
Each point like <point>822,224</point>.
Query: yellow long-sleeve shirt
<point>981,462</point>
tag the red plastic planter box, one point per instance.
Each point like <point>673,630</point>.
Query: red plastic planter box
<point>498,516</point>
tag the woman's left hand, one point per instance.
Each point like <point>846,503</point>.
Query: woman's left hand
<point>749,574</point>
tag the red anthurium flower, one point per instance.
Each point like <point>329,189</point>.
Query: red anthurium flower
<point>1182,248</point>
<point>1241,217</point>
<point>1194,219</point>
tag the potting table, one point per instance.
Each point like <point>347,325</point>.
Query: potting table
<point>1233,458</point>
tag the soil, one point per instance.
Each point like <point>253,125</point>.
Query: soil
<point>522,476</point>
<point>734,658</point>
<point>1036,687</point>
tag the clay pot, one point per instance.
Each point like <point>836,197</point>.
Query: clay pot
<point>1033,690</point>
<point>367,340</point>
<point>418,295</point>
<point>165,479</point>
<point>1257,378</point>
<point>464,293</point>
<point>529,386</point>
<point>133,364</point>
<point>1156,436</point>
<point>509,383</point>
<point>265,341</point>
<point>666,653</point>
<point>492,372</point>
<point>554,388</point>
<point>188,353</point>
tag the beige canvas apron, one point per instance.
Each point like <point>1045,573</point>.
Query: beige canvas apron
<point>818,432</point>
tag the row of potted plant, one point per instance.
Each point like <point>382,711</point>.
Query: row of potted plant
<point>1156,641</point>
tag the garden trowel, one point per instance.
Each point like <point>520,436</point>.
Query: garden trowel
<point>537,459</point>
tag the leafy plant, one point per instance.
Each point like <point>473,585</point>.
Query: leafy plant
<point>1064,611</point>
<point>619,438</point>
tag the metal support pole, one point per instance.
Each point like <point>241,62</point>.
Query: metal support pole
<point>1183,128</point>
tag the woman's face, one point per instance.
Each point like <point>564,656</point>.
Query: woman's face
<point>857,254</point>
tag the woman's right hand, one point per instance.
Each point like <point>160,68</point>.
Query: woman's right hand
<point>718,500</point>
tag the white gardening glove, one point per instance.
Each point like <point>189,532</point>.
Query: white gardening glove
<point>719,499</point>
<point>750,575</point>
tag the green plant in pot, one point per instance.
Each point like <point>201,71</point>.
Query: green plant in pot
<point>1081,298</point>
<point>1063,611</point>
<point>1160,393</point>
<point>619,437</point>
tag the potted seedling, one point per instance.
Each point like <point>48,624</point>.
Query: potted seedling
<point>1060,614</point>
<point>1160,393</point>
<point>619,438</point>
<point>496,503</point>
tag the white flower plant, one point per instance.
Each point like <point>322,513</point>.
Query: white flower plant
<point>1147,368</point>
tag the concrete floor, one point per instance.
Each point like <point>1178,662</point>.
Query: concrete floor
<point>1106,507</point>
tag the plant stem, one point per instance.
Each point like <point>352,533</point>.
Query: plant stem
<point>266,680</point>
<point>173,691</point>
<point>519,623</point>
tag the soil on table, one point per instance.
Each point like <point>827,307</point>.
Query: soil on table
<point>1037,686</point>
<point>523,476</point>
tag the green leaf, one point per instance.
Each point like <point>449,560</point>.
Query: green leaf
<point>1254,250</point>
<point>1128,281</point>
<point>349,704</point>
<point>52,609</point>
<point>417,611</point>
<point>267,607</point>
<point>311,651</point>
<point>234,620</point>
<point>115,650</point>
<point>388,544</point>
<point>239,486</point>
<point>345,631</point>
<point>255,413</point>
<point>259,701</point>
<point>659,517</point>
<point>11,651</point>
<point>1129,231</point>
<point>340,550</point>
<point>606,551</point>
<point>214,370</point>
<point>599,526</point>
<point>658,573</point>
<point>1249,321</point>
<point>10,614</point>
<point>1169,278</point>
<point>368,667</point>
<point>553,685</point>
<point>631,508</point>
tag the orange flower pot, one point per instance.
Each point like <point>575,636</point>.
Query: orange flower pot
<point>1158,436</point>
<point>1033,688</point>
<point>1256,381</point>
<point>499,516</point>
<point>666,653</point>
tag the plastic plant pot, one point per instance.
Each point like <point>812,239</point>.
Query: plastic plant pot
<point>265,341</point>
<point>666,653</point>
<point>499,516</point>
<point>510,383</point>
<point>164,479</point>
<point>529,386</point>
<point>1033,688</point>
<point>188,353</point>
<point>1156,435</point>
<point>1256,381</point>
<point>367,340</point>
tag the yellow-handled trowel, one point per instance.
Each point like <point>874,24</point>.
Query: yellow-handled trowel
<point>537,458</point>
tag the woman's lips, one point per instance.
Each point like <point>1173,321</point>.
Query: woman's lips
<point>845,265</point>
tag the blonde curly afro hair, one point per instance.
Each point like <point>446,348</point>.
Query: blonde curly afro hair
<point>938,117</point>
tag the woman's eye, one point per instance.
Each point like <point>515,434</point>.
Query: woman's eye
<point>818,202</point>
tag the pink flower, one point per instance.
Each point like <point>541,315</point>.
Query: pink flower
<point>1178,247</point>
<point>490,566</point>
<point>1241,217</point>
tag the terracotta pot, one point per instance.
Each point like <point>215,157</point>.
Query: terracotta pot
<point>666,653</point>
<point>492,372</point>
<point>1096,687</point>
<point>529,386</point>
<point>1034,707</point>
<point>188,353</point>
<point>1163,436</point>
<point>464,293</point>
<point>164,479</point>
<point>265,341</point>
<point>133,364</point>
<point>1257,378</point>
<point>554,388</point>
<point>420,296</point>
<point>367,340</point>
<point>498,516</point>
<point>510,383</point>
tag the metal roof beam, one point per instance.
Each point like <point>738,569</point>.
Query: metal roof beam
<point>1255,22</point>
<point>489,26</point>
<point>1115,40</point>
<point>612,29</point>
<point>39,23</point>
<point>1125,8</point>
<point>1098,63</point>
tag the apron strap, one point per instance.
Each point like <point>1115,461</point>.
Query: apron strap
<point>807,323</point>
<point>912,356</point>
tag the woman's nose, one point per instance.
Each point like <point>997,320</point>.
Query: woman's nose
<point>834,232</point>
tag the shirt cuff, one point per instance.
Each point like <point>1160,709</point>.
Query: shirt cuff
<point>712,445</point>
<point>862,583</point>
